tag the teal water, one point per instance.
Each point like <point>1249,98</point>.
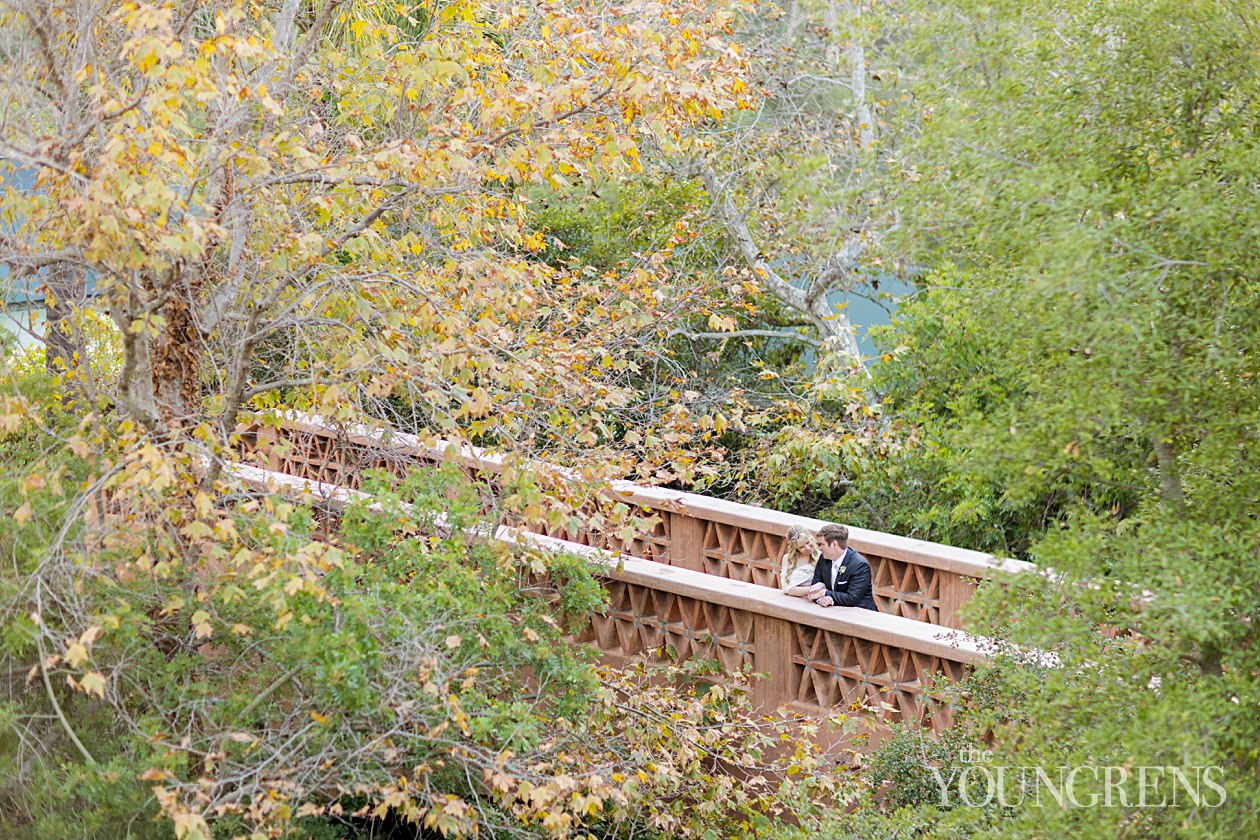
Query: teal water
<point>868,307</point>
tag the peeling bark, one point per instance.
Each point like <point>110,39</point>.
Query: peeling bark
<point>176,367</point>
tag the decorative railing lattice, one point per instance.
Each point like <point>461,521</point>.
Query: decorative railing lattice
<point>832,669</point>
<point>641,620</point>
<point>815,661</point>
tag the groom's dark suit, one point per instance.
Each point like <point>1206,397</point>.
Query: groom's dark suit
<point>852,586</point>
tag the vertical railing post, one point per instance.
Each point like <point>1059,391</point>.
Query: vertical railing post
<point>955,591</point>
<point>773,658</point>
<point>686,548</point>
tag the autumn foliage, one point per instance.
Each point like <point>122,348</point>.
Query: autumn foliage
<point>324,206</point>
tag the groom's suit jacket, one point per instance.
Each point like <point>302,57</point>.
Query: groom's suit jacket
<point>853,583</point>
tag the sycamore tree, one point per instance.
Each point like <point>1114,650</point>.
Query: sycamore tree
<point>321,206</point>
<point>322,203</point>
<point>801,185</point>
<point>803,188</point>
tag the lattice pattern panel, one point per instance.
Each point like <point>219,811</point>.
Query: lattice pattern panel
<point>653,546</point>
<point>831,669</point>
<point>741,554</point>
<point>906,589</point>
<point>642,621</point>
<point>324,456</point>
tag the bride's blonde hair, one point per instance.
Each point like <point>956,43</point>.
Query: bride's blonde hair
<point>796,536</point>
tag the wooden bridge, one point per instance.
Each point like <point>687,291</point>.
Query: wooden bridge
<point>704,582</point>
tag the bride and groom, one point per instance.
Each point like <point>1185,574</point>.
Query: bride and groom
<point>823,568</point>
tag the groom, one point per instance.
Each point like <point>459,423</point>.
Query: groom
<point>842,576</point>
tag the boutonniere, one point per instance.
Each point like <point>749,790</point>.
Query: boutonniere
<point>842,569</point>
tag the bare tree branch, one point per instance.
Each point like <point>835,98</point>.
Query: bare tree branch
<point>832,325</point>
<point>787,334</point>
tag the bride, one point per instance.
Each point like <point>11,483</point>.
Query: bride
<point>796,569</point>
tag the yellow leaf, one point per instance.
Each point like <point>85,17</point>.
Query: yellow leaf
<point>453,642</point>
<point>93,683</point>
<point>23,514</point>
<point>76,655</point>
<point>201,624</point>
<point>190,826</point>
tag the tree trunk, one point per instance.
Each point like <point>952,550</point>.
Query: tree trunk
<point>1170,489</point>
<point>855,56</point>
<point>177,356</point>
<point>135,386</point>
<point>65,290</point>
<point>857,76</point>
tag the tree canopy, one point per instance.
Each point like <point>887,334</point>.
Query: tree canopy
<point>1082,363</point>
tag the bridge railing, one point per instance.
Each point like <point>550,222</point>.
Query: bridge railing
<point>915,579</point>
<point>816,661</point>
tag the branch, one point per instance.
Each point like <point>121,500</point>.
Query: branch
<point>358,228</point>
<point>264,387</point>
<point>793,336</point>
<point>838,267</point>
<point>34,159</point>
<point>53,63</point>
<point>304,49</point>
<point>317,177</point>
<point>43,670</point>
<point>41,260</point>
<point>738,229</point>
<point>558,118</point>
<point>284,25</point>
<point>833,326</point>
<point>268,691</point>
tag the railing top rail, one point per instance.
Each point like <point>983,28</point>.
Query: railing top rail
<point>920,552</point>
<point>891,630</point>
